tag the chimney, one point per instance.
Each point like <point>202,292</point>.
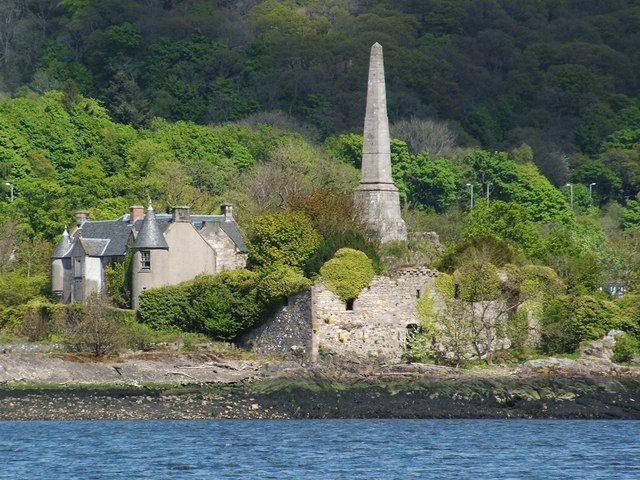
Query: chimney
<point>182,214</point>
<point>135,212</point>
<point>226,210</point>
<point>81,217</point>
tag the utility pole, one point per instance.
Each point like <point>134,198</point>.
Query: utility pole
<point>470,185</point>
<point>591,189</point>
<point>570,185</point>
<point>488,190</point>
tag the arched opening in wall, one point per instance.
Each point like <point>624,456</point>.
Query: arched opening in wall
<point>418,293</point>
<point>285,302</point>
<point>349,306</point>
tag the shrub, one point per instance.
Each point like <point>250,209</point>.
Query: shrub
<point>95,326</point>
<point>330,245</point>
<point>279,282</point>
<point>567,321</point>
<point>626,348</point>
<point>347,273</point>
<point>226,304</point>
<point>167,309</point>
<point>481,248</point>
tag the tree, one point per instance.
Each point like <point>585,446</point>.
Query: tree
<point>287,237</point>
<point>95,327</point>
<point>431,184</point>
<point>426,136</point>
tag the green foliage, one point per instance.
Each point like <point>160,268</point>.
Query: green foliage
<point>495,250</point>
<point>508,221</point>
<point>630,217</point>
<point>431,184</point>
<point>117,277</point>
<point>226,304</point>
<point>330,245</point>
<point>419,341</point>
<point>477,282</point>
<point>519,184</point>
<point>347,273</point>
<point>221,306</point>
<point>279,282</point>
<point>167,309</point>
<point>626,348</point>
<point>286,237</point>
<point>569,320</point>
<point>445,285</point>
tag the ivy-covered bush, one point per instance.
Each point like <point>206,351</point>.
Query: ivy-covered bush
<point>221,306</point>
<point>347,273</point>
<point>167,308</point>
<point>226,304</point>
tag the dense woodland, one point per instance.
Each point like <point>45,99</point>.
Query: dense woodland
<point>531,108</point>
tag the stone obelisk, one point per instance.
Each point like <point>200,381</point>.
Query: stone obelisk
<point>377,196</point>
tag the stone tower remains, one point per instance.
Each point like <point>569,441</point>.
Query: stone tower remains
<point>377,196</point>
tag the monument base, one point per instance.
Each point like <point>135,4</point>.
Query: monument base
<point>380,205</point>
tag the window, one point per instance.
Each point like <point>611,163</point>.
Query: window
<point>77,267</point>
<point>145,259</point>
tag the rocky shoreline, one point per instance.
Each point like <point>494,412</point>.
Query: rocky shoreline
<point>567,398</point>
<point>200,386</point>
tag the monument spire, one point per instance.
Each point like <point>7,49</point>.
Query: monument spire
<point>377,195</point>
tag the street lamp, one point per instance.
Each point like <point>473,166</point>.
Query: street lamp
<point>590,188</point>
<point>488,190</point>
<point>570,185</point>
<point>470,185</point>
<point>10,185</point>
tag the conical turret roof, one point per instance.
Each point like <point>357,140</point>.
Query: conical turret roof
<point>63,245</point>
<point>150,234</point>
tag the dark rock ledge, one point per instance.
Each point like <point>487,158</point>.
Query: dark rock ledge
<point>199,386</point>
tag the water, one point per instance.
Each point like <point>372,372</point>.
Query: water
<point>320,449</point>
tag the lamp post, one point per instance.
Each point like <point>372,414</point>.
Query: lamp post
<point>470,185</point>
<point>488,190</point>
<point>570,185</point>
<point>591,188</point>
<point>11,186</point>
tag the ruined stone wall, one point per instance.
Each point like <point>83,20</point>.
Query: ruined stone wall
<point>288,332</point>
<point>317,322</point>
<point>376,326</point>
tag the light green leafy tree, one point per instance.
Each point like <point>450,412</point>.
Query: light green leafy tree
<point>285,237</point>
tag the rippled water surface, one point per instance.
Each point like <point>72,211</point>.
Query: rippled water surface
<point>321,449</point>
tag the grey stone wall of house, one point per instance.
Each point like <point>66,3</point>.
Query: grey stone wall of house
<point>317,322</point>
<point>288,332</point>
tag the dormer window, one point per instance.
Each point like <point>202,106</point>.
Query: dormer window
<point>145,259</point>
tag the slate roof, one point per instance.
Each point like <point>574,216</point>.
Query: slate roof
<point>110,238</point>
<point>116,231</point>
<point>150,234</point>
<point>63,246</point>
